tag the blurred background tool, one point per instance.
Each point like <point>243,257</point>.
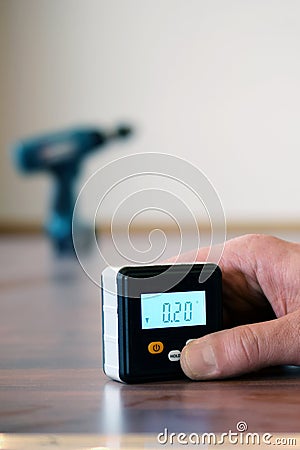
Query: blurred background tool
<point>61,154</point>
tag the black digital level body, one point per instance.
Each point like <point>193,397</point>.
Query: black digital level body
<point>149,313</point>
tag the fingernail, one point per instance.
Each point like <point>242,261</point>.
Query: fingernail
<point>199,361</point>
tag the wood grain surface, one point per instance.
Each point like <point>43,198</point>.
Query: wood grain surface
<point>50,365</point>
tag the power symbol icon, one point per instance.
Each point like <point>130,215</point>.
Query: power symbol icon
<point>155,347</point>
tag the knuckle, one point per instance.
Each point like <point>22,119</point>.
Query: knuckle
<point>258,239</point>
<point>248,344</point>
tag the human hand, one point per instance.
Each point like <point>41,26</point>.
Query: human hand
<point>261,281</point>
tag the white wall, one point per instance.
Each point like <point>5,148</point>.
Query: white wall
<point>216,82</point>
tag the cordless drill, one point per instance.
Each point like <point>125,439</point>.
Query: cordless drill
<point>62,154</point>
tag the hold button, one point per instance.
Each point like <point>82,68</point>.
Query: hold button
<point>174,355</point>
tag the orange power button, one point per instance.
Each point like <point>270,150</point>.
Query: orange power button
<point>155,347</point>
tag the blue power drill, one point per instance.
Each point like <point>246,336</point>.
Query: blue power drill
<point>61,154</point>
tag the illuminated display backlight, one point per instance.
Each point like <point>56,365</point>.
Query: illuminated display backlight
<point>173,309</point>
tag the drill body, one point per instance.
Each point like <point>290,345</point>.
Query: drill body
<point>62,154</point>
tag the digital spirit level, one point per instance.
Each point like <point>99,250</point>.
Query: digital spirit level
<point>149,313</point>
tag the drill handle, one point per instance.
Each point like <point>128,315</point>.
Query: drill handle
<point>63,197</point>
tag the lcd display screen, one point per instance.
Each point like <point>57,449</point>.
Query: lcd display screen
<point>173,309</point>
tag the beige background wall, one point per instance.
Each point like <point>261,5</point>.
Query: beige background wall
<point>216,82</point>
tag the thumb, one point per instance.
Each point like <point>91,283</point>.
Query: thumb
<point>243,349</point>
